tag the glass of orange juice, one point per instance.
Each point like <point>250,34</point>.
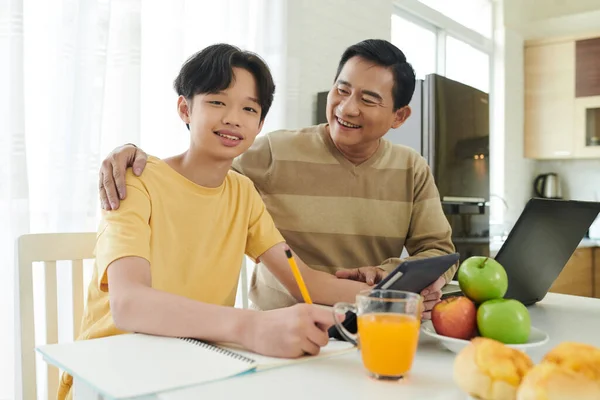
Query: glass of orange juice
<point>388,330</point>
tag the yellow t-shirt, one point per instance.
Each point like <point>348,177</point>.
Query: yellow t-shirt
<point>194,237</point>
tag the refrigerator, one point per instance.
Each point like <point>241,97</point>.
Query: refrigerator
<point>449,127</point>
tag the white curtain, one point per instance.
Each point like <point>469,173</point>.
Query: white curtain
<point>80,77</point>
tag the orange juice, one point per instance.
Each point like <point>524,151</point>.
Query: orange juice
<point>388,342</point>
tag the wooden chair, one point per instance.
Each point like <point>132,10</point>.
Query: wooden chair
<point>46,248</point>
<point>50,248</point>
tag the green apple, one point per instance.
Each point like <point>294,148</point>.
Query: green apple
<point>505,320</point>
<point>482,278</point>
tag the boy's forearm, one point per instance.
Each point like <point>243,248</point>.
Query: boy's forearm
<point>151,311</point>
<point>323,288</point>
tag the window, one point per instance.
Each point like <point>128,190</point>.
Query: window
<point>439,37</point>
<point>418,44</point>
<point>466,64</point>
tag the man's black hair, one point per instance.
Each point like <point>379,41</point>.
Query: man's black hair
<point>211,71</point>
<point>385,54</point>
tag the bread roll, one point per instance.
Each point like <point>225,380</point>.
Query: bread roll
<point>489,370</point>
<point>577,357</point>
<point>569,371</point>
<point>547,381</point>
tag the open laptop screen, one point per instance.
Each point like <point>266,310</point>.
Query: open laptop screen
<point>540,244</point>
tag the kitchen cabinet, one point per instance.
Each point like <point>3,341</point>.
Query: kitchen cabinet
<point>549,100</point>
<point>562,98</point>
<point>587,60</point>
<point>577,276</point>
<point>587,127</point>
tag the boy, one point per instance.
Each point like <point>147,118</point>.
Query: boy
<point>168,260</point>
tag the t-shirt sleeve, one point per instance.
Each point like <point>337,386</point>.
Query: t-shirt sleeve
<point>262,233</point>
<point>256,163</point>
<point>124,232</point>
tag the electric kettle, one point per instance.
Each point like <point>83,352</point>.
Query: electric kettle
<point>547,186</point>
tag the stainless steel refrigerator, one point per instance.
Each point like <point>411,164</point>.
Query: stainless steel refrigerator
<point>449,126</point>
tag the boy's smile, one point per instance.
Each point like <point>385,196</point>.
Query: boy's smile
<point>229,138</point>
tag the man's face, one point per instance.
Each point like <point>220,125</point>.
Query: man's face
<point>224,125</point>
<point>360,106</point>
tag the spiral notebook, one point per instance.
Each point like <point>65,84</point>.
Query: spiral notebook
<point>131,365</point>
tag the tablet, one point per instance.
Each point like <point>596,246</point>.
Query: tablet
<point>409,276</point>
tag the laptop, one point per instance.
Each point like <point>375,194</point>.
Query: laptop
<point>541,243</point>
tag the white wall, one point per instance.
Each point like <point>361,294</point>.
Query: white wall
<point>517,169</point>
<point>506,139</point>
<point>580,179</point>
<point>318,33</point>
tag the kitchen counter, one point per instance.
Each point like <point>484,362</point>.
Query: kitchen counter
<point>563,317</point>
<point>589,243</point>
<point>586,242</point>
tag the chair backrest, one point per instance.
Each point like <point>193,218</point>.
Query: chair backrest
<point>47,248</point>
<point>244,283</point>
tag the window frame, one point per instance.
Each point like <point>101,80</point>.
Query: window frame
<point>443,26</point>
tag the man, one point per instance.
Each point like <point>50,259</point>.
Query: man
<point>345,199</point>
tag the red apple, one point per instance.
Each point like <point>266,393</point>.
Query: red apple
<point>455,317</point>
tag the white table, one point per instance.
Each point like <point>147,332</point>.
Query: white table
<point>563,317</point>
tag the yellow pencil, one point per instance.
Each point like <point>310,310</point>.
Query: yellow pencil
<point>298,277</point>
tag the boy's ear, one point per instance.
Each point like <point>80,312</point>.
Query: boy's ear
<point>260,126</point>
<point>184,109</point>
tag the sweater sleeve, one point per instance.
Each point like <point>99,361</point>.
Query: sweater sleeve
<point>429,233</point>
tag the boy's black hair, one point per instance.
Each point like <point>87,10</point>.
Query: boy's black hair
<point>211,70</point>
<point>385,54</point>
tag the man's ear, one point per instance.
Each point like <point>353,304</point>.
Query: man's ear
<point>184,109</point>
<point>401,115</point>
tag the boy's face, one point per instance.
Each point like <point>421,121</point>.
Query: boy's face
<point>224,125</point>
<point>360,106</point>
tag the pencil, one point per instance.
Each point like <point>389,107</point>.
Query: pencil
<point>298,277</point>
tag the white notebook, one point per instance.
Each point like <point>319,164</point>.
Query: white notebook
<point>131,365</point>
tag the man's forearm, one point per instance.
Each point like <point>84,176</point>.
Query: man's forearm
<point>146,310</point>
<point>327,289</point>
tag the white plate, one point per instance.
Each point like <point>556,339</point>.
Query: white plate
<point>536,338</point>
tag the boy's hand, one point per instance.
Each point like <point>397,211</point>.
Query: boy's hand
<point>369,275</point>
<point>111,182</point>
<point>289,332</point>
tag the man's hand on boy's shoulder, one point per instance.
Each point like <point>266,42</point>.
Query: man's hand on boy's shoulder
<point>370,275</point>
<point>289,332</point>
<point>111,182</point>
